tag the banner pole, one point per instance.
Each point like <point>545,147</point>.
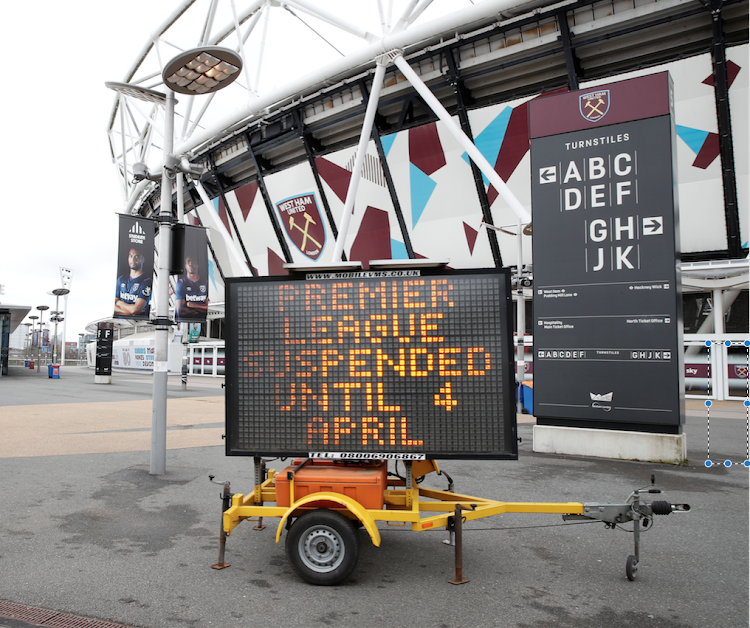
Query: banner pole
<point>161,352</point>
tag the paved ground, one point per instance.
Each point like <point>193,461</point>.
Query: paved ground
<point>86,531</point>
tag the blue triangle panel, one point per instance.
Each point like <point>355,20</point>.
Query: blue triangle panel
<point>422,188</point>
<point>387,142</point>
<point>491,138</point>
<point>694,138</point>
<point>216,204</point>
<point>398,250</point>
<point>211,273</point>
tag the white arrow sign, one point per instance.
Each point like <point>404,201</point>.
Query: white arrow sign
<point>653,226</point>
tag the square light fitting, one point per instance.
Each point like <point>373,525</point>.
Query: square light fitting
<point>135,91</point>
<point>206,69</point>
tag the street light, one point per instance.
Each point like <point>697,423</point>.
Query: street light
<point>55,318</point>
<point>33,318</point>
<point>201,70</point>
<point>58,292</point>
<point>41,309</point>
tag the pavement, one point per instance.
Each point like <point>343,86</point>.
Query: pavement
<point>89,538</point>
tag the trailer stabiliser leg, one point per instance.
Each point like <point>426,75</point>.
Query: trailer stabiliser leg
<point>226,500</point>
<point>260,475</point>
<point>455,527</point>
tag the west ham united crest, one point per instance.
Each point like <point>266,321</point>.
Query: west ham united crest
<point>303,224</point>
<point>595,105</point>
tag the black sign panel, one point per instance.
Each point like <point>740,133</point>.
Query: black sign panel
<point>393,363</point>
<point>607,304</point>
<point>105,334</point>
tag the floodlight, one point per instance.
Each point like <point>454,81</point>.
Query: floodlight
<point>135,91</point>
<point>202,70</point>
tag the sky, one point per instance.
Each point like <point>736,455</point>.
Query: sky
<point>62,194</point>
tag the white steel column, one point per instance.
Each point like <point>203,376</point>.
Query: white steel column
<point>477,157</point>
<point>216,224</point>
<point>364,139</point>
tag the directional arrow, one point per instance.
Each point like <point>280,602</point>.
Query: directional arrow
<point>548,174</point>
<point>653,226</point>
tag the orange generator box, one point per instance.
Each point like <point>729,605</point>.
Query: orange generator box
<point>364,483</point>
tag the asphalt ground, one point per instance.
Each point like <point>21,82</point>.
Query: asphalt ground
<point>86,532</point>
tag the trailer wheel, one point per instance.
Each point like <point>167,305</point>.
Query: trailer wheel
<point>631,567</point>
<point>322,547</point>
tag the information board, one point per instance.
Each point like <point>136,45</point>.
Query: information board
<point>105,335</point>
<point>374,364</point>
<point>607,302</point>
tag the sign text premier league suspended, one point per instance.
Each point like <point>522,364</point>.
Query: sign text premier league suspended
<point>396,364</point>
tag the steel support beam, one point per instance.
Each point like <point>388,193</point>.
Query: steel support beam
<point>316,175</point>
<point>571,61</point>
<point>268,203</point>
<point>220,187</point>
<point>724,121</point>
<point>389,180</point>
<point>463,118</point>
<point>474,153</point>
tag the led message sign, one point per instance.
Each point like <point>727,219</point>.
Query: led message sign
<point>395,364</point>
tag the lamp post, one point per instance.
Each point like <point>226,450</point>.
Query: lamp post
<point>27,340</point>
<point>41,309</point>
<point>80,348</point>
<point>66,280</point>
<point>58,292</point>
<point>55,318</point>
<point>201,70</point>
<point>33,318</point>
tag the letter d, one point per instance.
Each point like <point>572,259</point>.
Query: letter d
<point>572,199</point>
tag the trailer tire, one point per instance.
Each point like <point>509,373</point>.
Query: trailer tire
<point>322,547</point>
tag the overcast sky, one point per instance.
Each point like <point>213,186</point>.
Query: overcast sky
<point>61,190</point>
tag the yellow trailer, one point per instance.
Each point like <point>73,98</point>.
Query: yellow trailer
<point>322,543</point>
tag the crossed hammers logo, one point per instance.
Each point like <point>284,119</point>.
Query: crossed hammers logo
<point>595,108</point>
<point>306,236</point>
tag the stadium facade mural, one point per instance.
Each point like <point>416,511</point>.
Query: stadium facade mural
<point>439,213</point>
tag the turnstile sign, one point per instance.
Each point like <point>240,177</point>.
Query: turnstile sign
<point>607,303</point>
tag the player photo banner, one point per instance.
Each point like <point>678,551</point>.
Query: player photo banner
<point>135,268</point>
<point>191,291</point>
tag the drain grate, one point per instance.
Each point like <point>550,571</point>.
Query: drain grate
<point>52,619</point>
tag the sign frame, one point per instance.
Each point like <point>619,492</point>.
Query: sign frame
<point>607,293</point>
<point>501,379</point>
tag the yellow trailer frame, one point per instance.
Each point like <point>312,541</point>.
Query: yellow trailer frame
<point>405,502</point>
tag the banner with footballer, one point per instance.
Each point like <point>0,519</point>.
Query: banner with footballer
<point>191,291</point>
<point>135,268</point>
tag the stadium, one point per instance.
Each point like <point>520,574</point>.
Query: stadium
<point>329,119</point>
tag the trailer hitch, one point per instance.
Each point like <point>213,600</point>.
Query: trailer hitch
<point>639,512</point>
